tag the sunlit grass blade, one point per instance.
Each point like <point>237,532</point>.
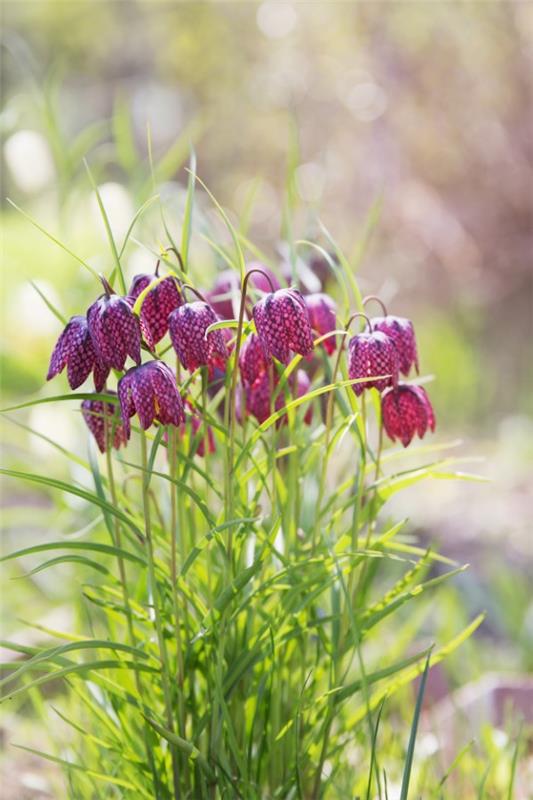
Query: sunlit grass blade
<point>109,232</point>
<point>404,792</point>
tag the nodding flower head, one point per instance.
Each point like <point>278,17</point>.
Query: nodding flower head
<point>156,308</point>
<point>139,284</point>
<point>322,313</point>
<point>151,392</point>
<point>283,324</point>
<point>115,330</point>
<point>195,420</point>
<point>252,359</point>
<point>103,421</point>
<point>406,410</point>
<point>259,395</point>
<point>402,333</point>
<point>188,325</point>
<point>369,355</point>
<point>74,350</point>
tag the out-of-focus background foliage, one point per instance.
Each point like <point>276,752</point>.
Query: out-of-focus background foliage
<point>425,109</point>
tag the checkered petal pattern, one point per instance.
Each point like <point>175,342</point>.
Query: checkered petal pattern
<point>322,314</point>
<point>187,326</point>
<point>74,350</point>
<point>115,331</point>
<point>98,416</point>
<point>252,360</point>
<point>282,323</point>
<point>157,306</point>
<point>402,333</point>
<point>139,284</point>
<point>372,354</point>
<point>406,411</point>
<point>151,392</point>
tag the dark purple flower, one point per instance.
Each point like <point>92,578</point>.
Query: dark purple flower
<point>372,354</point>
<point>322,313</point>
<point>187,326</point>
<point>402,333</point>
<point>103,422</point>
<point>115,331</point>
<point>157,306</point>
<point>74,350</point>
<point>139,284</point>
<point>151,392</point>
<point>282,323</point>
<point>406,410</point>
<point>252,359</point>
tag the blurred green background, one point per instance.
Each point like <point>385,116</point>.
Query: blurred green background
<point>423,108</point>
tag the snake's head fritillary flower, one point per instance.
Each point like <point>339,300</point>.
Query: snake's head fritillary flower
<point>322,313</point>
<point>115,330</point>
<point>156,308</point>
<point>151,392</point>
<point>74,350</point>
<point>252,359</point>
<point>406,410</point>
<point>103,421</point>
<point>139,284</point>
<point>188,325</point>
<point>196,424</point>
<point>370,355</point>
<point>282,323</point>
<point>402,333</point>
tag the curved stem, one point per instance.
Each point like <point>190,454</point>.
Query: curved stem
<point>376,299</point>
<point>192,289</point>
<point>261,272</point>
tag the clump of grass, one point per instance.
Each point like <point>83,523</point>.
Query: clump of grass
<point>249,607</point>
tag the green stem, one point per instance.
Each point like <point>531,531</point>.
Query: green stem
<point>174,489</point>
<point>157,612</point>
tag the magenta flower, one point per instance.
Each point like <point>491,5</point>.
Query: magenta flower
<point>406,410</point>
<point>252,360</point>
<point>74,350</point>
<point>151,392</point>
<point>139,284</point>
<point>370,355</point>
<point>157,305</point>
<point>283,324</point>
<point>102,420</point>
<point>188,325</point>
<point>115,330</point>
<point>402,333</point>
<point>322,313</point>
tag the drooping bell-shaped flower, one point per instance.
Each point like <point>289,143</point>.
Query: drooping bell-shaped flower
<point>104,423</point>
<point>188,325</point>
<point>405,411</point>
<point>151,392</point>
<point>75,351</point>
<point>157,305</point>
<point>252,359</point>
<point>322,313</point>
<point>402,333</point>
<point>282,322</point>
<point>370,355</point>
<point>115,330</point>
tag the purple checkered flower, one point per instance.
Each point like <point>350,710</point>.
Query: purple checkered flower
<point>157,306</point>
<point>74,350</point>
<point>115,330</point>
<point>151,392</point>
<point>406,410</point>
<point>370,355</point>
<point>252,359</point>
<point>402,333</point>
<point>103,422</point>
<point>322,313</point>
<point>259,395</point>
<point>188,325</point>
<point>283,324</point>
